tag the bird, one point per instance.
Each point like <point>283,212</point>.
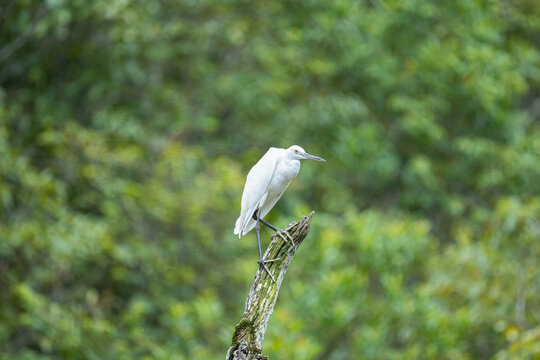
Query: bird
<point>265,184</point>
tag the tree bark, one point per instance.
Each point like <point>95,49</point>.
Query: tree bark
<point>249,333</point>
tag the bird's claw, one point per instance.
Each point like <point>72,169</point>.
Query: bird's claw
<point>263,265</point>
<point>281,232</point>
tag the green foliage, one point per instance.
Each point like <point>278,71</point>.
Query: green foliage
<point>127,129</point>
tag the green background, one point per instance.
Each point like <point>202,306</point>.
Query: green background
<point>127,129</point>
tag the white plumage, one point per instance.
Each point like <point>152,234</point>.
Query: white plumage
<point>266,182</point>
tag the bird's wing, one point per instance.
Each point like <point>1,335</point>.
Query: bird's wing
<point>256,187</point>
<point>269,203</point>
<point>265,209</point>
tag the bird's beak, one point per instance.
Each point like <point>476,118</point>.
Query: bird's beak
<point>309,156</point>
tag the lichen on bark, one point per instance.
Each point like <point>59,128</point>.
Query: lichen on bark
<point>249,332</point>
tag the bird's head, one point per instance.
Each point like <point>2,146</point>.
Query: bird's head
<point>296,152</point>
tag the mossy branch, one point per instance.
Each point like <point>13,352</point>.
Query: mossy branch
<point>249,333</point>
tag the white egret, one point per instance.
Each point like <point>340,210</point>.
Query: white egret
<point>266,182</point>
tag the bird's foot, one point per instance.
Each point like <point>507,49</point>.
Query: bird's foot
<point>262,264</point>
<point>285,236</point>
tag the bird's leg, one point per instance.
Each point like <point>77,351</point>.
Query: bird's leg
<point>261,261</point>
<point>278,231</point>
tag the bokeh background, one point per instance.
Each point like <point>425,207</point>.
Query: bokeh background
<point>127,128</point>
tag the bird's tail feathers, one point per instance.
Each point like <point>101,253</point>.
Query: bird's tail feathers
<point>245,222</point>
<point>237,227</point>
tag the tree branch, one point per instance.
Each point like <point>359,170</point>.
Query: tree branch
<point>7,50</point>
<point>249,333</point>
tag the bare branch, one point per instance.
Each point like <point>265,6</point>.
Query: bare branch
<point>249,333</point>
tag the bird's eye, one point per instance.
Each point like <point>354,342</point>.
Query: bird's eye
<point>296,151</point>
